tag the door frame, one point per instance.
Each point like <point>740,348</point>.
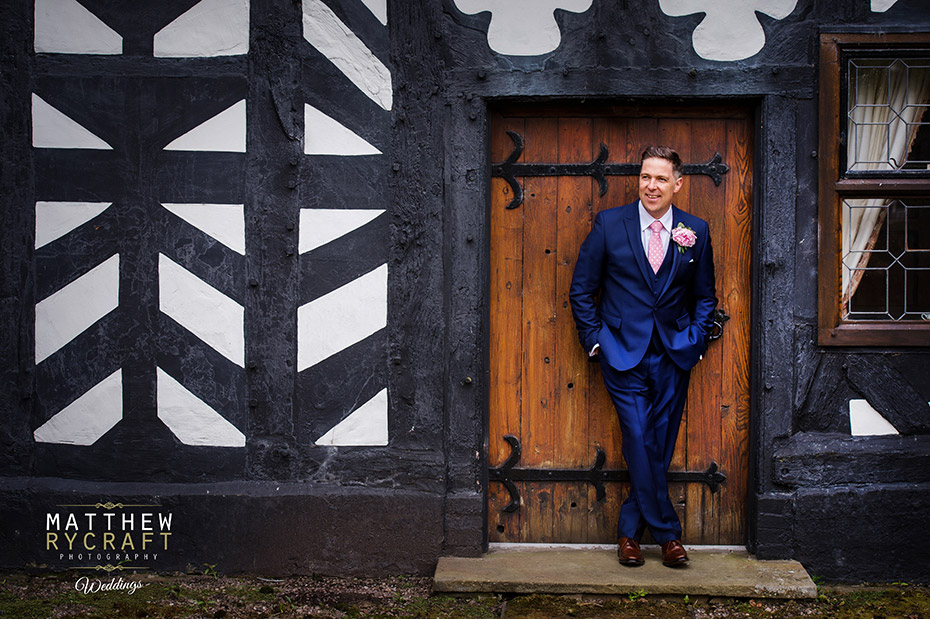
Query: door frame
<point>466,229</point>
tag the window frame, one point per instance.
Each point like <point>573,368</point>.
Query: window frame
<point>836,185</point>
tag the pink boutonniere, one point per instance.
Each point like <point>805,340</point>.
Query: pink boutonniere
<point>684,237</point>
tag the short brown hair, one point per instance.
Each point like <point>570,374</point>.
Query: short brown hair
<point>664,152</point>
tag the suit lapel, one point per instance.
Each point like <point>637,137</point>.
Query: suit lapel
<point>675,254</point>
<point>636,242</point>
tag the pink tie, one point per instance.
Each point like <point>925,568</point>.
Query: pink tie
<point>655,246</point>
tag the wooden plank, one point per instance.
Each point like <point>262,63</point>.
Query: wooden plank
<point>539,363</point>
<point>506,298</point>
<point>573,448</point>
<point>691,436</point>
<point>735,299</point>
<point>710,384</point>
<point>505,332</point>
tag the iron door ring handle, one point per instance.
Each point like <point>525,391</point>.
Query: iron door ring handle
<point>720,319</point>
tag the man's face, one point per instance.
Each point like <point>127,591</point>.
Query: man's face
<point>657,185</point>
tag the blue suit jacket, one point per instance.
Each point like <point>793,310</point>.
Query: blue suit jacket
<point>614,302</point>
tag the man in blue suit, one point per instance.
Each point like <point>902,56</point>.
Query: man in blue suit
<point>643,297</point>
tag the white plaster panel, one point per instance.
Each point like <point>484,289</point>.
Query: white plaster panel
<point>366,425</point>
<point>341,318</point>
<point>66,27</point>
<point>523,27</point>
<point>67,313</point>
<point>209,28</point>
<point>89,417</point>
<point>378,8</point>
<point>320,226</point>
<point>56,219</point>
<point>866,421</point>
<point>201,309</point>
<point>225,132</point>
<point>730,29</point>
<point>343,48</point>
<point>191,419</point>
<point>324,135</point>
<point>224,222</point>
<point>880,6</point>
<point>53,129</point>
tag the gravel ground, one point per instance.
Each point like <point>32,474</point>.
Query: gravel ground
<point>24,596</point>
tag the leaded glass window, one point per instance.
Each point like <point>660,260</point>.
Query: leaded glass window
<point>874,267</point>
<point>891,274</point>
<point>887,102</point>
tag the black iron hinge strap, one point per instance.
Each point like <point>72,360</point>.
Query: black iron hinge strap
<point>508,473</point>
<point>510,170</point>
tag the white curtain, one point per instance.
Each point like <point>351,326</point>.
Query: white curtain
<point>889,103</point>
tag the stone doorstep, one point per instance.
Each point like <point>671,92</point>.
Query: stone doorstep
<point>538,568</point>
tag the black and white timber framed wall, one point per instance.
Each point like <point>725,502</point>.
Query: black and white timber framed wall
<point>303,385</point>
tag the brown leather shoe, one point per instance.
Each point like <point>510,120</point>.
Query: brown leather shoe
<point>673,554</point>
<point>629,552</point>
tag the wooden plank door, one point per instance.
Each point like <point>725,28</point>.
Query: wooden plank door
<point>543,390</point>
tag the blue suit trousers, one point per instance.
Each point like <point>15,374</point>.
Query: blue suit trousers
<point>649,399</point>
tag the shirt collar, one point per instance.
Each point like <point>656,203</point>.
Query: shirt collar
<point>645,219</point>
